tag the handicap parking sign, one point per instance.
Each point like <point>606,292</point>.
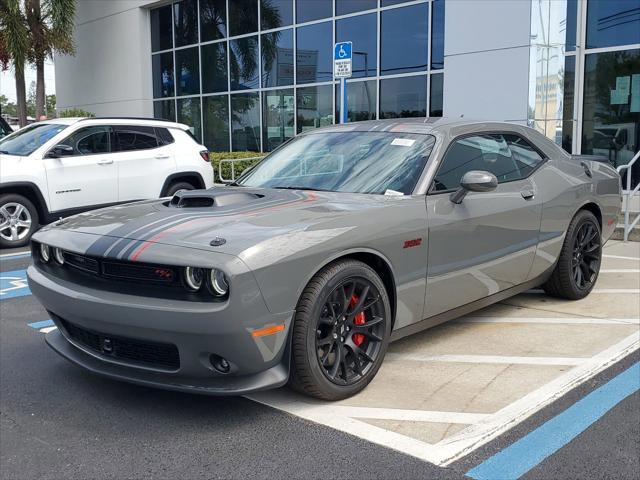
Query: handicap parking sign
<point>342,54</point>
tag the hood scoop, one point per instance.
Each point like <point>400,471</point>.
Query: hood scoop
<point>212,198</point>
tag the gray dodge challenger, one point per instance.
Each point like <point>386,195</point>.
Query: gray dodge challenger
<point>305,268</point>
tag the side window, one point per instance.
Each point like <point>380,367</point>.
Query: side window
<point>89,141</point>
<point>164,136</point>
<point>134,137</point>
<point>507,156</point>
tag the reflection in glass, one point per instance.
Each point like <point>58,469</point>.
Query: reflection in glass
<point>161,29</point>
<point>315,107</point>
<point>189,114</point>
<point>244,63</point>
<point>611,118</point>
<point>572,20</point>
<point>314,53</point>
<point>275,13</point>
<point>165,109</point>
<point>437,35</point>
<point>404,40</point>
<point>162,68</point>
<point>215,115</point>
<point>361,30</point>
<point>243,17</point>
<point>185,22</point>
<point>435,99</point>
<point>403,97</point>
<point>277,117</point>
<point>277,58</point>
<point>245,122</point>
<point>567,109</point>
<point>307,10</point>
<point>213,19</point>
<point>350,6</point>
<point>187,71</point>
<point>613,22</point>
<point>361,101</point>
<point>386,3</point>
<point>214,67</point>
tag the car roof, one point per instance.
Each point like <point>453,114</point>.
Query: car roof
<point>153,122</point>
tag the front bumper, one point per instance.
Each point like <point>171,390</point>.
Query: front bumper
<point>196,329</point>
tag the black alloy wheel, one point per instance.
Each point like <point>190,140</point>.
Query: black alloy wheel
<point>586,256</point>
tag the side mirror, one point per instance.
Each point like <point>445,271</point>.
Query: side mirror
<point>474,181</point>
<point>60,150</point>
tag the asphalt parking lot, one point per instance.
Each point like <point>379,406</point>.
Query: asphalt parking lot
<point>484,396</point>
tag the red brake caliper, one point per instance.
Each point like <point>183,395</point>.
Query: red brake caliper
<point>358,338</point>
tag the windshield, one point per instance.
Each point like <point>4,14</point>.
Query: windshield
<point>26,140</point>
<point>357,162</point>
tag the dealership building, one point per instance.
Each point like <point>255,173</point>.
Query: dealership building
<point>249,74</point>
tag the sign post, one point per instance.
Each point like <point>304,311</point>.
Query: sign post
<point>342,55</point>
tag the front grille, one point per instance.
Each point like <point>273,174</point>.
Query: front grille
<point>138,272</point>
<point>142,352</point>
<point>81,262</point>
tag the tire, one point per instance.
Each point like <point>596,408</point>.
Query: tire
<point>176,187</point>
<point>18,220</point>
<point>578,266</point>
<point>322,337</point>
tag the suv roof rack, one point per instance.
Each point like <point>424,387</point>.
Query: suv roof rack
<point>149,119</point>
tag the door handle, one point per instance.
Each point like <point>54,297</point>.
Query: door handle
<point>527,194</point>
<point>105,161</point>
<point>160,156</point>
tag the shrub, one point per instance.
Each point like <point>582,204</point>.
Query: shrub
<point>75,112</point>
<point>226,167</point>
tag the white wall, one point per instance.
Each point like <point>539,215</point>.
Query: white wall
<point>110,72</point>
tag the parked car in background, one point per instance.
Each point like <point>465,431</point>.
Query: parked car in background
<point>58,167</point>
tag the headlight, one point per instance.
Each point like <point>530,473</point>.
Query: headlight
<point>193,277</point>
<point>58,256</point>
<point>45,253</point>
<point>218,283</point>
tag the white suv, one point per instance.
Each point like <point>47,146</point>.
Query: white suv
<point>59,167</point>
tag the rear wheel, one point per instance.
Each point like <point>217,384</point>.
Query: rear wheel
<point>579,264</point>
<point>341,331</point>
<point>178,186</point>
<point>18,220</point>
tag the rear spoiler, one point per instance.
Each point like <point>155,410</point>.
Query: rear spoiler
<point>590,158</point>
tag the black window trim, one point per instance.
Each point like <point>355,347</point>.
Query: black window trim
<point>116,141</point>
<point>86,127</point>
<point>544,157</point>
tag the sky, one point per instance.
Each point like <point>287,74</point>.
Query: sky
<point>8,82</point>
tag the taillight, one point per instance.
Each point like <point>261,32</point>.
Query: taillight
<point>205,155</point>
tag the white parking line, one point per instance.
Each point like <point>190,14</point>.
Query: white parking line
<point>620,270</point>
<point>500,359</point>
<point>15,254</point>
<point>621,257</point>
<point>554,320</point>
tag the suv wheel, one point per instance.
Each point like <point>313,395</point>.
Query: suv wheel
<point>18,220</point>
<point>178,186</point>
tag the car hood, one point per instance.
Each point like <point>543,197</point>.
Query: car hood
<point>234,220</point>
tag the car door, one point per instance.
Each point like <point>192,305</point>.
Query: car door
<point>144,162</point>
<point>80,170</point>
<point>486,243</point>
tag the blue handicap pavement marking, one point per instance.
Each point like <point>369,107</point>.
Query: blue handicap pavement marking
<point>14,284</point>
<point>42,324</point>
<point>520,457</point>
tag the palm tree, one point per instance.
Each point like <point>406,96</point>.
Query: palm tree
<point>14,37</point>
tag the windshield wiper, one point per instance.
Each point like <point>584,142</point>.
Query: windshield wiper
<point>302,188</point>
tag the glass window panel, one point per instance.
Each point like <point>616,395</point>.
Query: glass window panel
<point>567,103</point>
<point>403,97</point>
<point>307,10</point>
<point>162,70</point>
<point>161,30</point>
<point>349,6</point>
<point>435,99</point>
<point>214,67</point>
<point>90,140</point>
<point>314,53</point>
<point>361,101</point>
<point>243,17</point>
<point>404,39</point>
<point>275,13</point>
<point>572,20</point>
<point>244,63</point>
<point>361,30</point>
<point>215,114</point>
<point>315,107</point>
<point>278,117</point>
<point>386,3</point>
<point>277,58</point>
<point>165,109</point>
<point>437,35</point>
<point>189,114</point>
<point>245,122</point>
<point>185,21</point>
<point>134,137</point>
<point>611,113</point>
<point>613,22</point>
<point>213,19</point>
<point>187,71</point>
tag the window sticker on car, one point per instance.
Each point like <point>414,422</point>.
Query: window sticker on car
<point>403,142</point>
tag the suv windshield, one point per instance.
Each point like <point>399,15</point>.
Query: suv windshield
<point>26,140</point>
<point>357,162</point>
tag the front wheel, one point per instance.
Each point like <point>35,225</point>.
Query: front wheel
<point>340,332</point>
<point>18,220</point>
